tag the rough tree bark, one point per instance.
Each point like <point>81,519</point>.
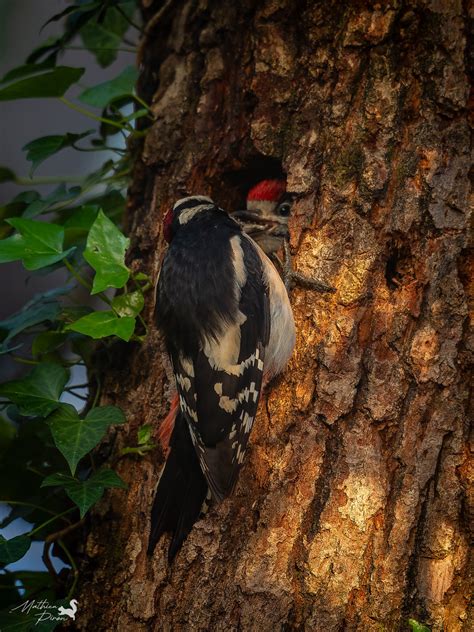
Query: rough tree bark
<point>352,512</point>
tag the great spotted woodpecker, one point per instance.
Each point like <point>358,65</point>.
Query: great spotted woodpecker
<point>265,219</point>
<point>228,327</point>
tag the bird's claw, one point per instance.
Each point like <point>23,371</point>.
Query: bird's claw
<point>292,278</point>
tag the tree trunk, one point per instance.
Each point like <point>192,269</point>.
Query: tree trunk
<point>352,511</point>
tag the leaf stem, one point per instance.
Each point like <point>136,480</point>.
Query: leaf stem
<point>73,566</point>
<point>45,524</point>
<point>97,393</point>
<point>24,504</point>
<point>142,102</point>
<point>85,112</point>
<point>24,360</point>
<point>128,19</point>
<point>77,276</point>
<point>98,48</point>
<point>26,182</point>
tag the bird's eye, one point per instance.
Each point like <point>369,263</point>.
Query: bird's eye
<point>284,209</point>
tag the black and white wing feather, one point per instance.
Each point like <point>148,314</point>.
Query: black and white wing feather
<point>219,386</point>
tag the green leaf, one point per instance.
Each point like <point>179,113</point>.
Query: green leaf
<point>42,308</point>
<point>103,35</point>
<point>43,205</point>
<point>14,549</point>
<point>78,224</point>
<point>52,83</point>
<point>101,95</point>
<point>38,393</point>
<point>35,584</point>
<point>42,148</point>
<point>103,324</point>
<point>7,434</point>
<point>108,478</point>
<point>85,494</point>
<point>417,627</point>
<point>75,437</point>
<point>12,249</point>
<point>7,175</point>
<point>59,479</point>
<point>105,252</point>
<point>26,70</point>
<point>46,342</point>
<point>101,43</point>
<point>80,491</point>
<point>129,304</point>
<point>144,434</point>
<point>88,8</point>
<point>82,218</point>
<point>39,244</point>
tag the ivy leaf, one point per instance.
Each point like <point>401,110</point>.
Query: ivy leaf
<point>7,175</point>
<point>85,493</point>
<point>42,308</point>
<point>52,83</point>
<point>14,549</point>
<point>38,245</point>
<point>43,205</point>
<point>103,37</point>
<point>108,478</point>
<point>59,479</point>
<point>129,304</point>
<point>26,70</point>
<point>37,151</point>
<point>46,342</point>
<point>144,434</point>
<point>105,252</point>
<point>103,44</point>
<point>7,434</point>
<point>103,324</point>
<point>101,95</point>
<point>38,393</point>
<point>417,627</point>
<point>75,437</point>
<point>79,223</point>
<point>90,7</point>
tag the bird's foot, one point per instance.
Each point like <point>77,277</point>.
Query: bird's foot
<point>292,278</point>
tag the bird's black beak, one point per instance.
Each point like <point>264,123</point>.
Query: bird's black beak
<point>247,216</point>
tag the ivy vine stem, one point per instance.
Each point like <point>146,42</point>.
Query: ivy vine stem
<point>89,114</point>
<point>98,48</point>
<point>77,276</point>
<point>25,504</point>
<point>75,570</point>
<point>45,524</point>
<point>39,180</point>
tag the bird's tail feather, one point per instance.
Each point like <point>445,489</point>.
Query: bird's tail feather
<point>180,493</point>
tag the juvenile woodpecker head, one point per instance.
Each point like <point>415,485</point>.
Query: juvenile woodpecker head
<point>266,215</point>
<point>184,211</point>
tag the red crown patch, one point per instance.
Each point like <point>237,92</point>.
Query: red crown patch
<point>270,190</point>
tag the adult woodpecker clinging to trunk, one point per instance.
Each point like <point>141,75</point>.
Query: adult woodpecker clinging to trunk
<point>228,328</point>
<point>265,219</point>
